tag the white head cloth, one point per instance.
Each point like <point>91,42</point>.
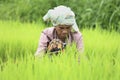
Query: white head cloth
<point>61,15</point>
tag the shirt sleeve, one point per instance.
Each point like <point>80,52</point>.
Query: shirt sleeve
<point>42,45</point>
<point>80,46</point>
<point>79,42</point>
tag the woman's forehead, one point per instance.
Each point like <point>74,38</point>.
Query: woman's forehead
<point>64,25</point>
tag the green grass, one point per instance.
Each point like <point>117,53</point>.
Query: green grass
<point>19,41</point>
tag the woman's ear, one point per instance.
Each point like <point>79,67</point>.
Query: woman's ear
<point>56,28</point>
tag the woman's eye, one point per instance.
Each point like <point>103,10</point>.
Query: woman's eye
<point>61,27</point>
<point>67,27</point>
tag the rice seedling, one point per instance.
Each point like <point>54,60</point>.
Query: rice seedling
<point>19,41</point>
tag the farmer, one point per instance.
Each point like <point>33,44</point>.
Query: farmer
<point>64,30</point>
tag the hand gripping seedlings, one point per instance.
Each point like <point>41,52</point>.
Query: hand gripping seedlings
<point>55,46</point>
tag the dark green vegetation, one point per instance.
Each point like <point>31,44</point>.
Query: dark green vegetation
<point>106,13</point>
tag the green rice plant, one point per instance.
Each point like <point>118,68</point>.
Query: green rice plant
<point>18,43</point>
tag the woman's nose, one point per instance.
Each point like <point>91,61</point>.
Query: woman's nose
<point>64,31</point>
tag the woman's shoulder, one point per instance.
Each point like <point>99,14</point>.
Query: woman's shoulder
<point>48,30</point>
<point>76,35</point>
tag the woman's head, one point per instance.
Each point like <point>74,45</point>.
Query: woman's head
<point>61,15</point>
<point>63,30</point>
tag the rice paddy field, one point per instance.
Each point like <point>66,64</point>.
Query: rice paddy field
<point>19,41</point>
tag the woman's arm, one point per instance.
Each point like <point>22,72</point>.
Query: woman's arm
<point>42,45</point>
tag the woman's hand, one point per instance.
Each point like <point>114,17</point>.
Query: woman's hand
<point>55,46</point>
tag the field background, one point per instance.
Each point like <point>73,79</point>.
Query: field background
<point>20,28</point>
<point>88,12</point>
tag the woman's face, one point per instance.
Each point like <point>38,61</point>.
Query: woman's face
<point>63,30</point>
